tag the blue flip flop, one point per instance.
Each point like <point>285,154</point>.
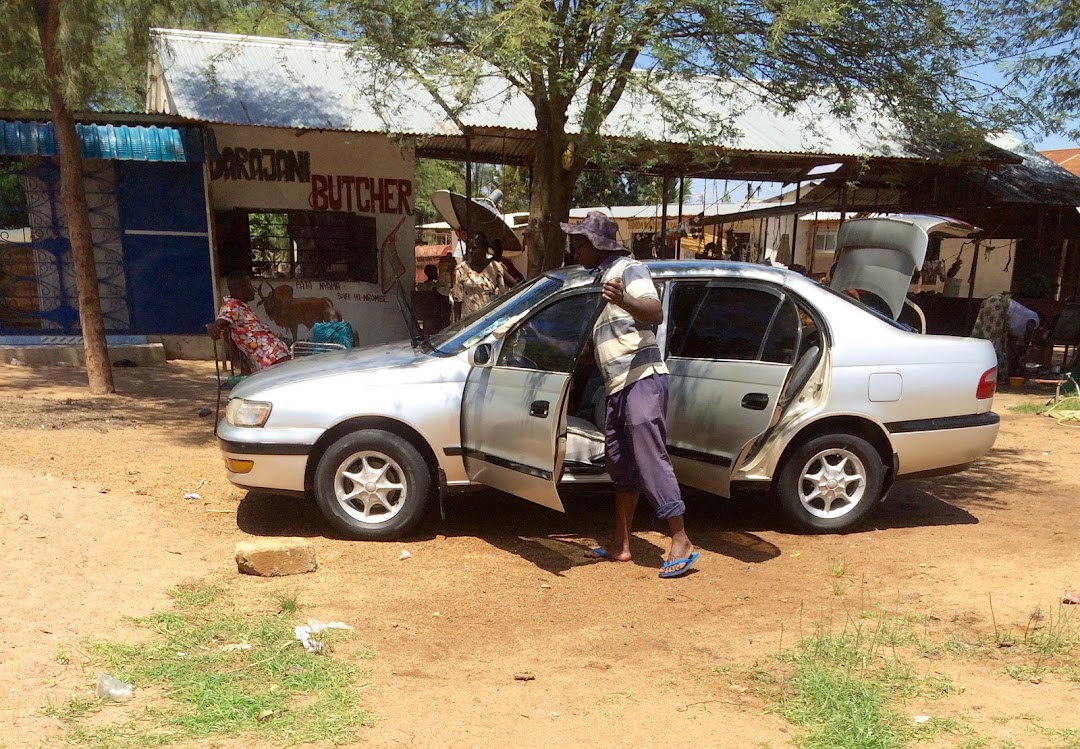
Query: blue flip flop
<point>599,553</point>
<point>686,562</point>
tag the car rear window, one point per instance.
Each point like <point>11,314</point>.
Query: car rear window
<point>731,323</point>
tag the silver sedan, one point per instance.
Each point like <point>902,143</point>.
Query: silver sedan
<point>776,382</point>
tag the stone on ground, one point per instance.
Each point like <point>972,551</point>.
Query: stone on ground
<point>275,557</point>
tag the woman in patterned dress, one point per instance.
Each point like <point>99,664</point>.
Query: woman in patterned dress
<point>477,280</point>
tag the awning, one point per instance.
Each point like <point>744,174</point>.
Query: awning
<point>113,142</point>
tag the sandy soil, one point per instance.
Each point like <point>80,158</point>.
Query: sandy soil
<point>95,530</point>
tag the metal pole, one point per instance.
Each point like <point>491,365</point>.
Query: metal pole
<point>682,194</point>
<point>663,219</point>
<point>468,184</point>
<point>795,230</point>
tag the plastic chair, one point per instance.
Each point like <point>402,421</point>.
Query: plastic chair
<point>310,348</point>
<point>331,335</point>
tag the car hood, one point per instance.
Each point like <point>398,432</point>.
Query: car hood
<point>879,255</point>
<point>398,354</point>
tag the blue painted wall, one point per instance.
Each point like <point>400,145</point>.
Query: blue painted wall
<point>169,287</point>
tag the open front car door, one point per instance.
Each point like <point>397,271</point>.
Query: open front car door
<point>513,411</point>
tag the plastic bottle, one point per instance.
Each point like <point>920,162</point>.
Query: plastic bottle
<point>109,688</point>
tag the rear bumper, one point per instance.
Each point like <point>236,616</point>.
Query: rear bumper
<point>938,446</point>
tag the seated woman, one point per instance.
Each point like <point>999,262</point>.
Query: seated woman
<point>260,345</point>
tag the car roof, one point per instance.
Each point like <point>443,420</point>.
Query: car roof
<point>663,269</point>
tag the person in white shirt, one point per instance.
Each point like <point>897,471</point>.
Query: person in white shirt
<point>1022,321</point>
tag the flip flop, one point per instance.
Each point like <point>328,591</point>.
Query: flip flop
<point>599,553</point>
<point>686,562</point>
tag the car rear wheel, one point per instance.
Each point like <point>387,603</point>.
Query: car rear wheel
<point>830,483</point>
<point>372,485</point>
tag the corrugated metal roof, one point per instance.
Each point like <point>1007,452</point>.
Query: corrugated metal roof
<point>656,211</point>
<point>117,142</point>
<point>1036,180</point>
<point>234,79</point>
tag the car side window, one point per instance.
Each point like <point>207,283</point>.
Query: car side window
<point>551,339</point>
<point>733,323</point>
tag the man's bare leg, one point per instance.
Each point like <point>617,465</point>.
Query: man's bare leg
<point>619,548</point>
<point>680,542</point>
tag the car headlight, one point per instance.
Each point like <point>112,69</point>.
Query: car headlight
<point>242,413</point>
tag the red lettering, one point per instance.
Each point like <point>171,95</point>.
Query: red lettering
<point>363,204</point>
<point>391,196</point>
<point>347,183</point>
<point>318,200</point>
<point>334,198</point>
<point>404,193</point>
<point>378,196</point>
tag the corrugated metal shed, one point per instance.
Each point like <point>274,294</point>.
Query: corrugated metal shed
<point>224,78</point>
<point>115,142</point>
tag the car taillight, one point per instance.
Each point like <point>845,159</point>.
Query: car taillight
<point>987,384</point>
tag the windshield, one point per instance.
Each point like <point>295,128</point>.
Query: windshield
<point>472,329</point>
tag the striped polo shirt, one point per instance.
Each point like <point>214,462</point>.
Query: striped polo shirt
<point>626,351</point>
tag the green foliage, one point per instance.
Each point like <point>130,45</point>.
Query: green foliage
<point>13,207</point>
<point>432,175</point>
<point>224,673</point>
<point>1040,64</point>
<point>104,45</point>
<point>608,188</point>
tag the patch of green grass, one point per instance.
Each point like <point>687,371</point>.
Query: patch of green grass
<point>838,588</point>
<point>1071,403</point>
<point>72,710</point>
<point>224,673</point>
<point>850,690</point>
<point>939,685</point>
<point>1049,635</point>
<point>949,646</point>
<point>837,568</point>
<point>935,727</point>
<point>287,604</point>
<point>837,707</point>
<point>1029,408</point>
<point>191,595</point>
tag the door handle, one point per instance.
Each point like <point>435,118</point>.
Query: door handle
<point>755,401</point>
<point>539,409</point>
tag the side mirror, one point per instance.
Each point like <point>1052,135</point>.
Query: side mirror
<point>481,355</point>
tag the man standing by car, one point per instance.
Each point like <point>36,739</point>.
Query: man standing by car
<point>636,384</point>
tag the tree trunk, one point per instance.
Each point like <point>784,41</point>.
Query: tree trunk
<point>73,198</point>
<point>552,189</point>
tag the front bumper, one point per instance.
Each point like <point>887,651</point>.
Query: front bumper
<point>273,466</point>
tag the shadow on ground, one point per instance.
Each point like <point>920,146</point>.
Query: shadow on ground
<point>57,398</point>
<point>556,542</point>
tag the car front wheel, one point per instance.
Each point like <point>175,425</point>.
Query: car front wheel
<point>372,485</point>
<point>830,483</point>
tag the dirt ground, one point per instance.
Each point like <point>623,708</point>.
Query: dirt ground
<point>95,529</point>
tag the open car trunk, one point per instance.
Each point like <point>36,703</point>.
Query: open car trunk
<point>879,255</point>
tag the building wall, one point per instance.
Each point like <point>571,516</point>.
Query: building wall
<point>362,177</point>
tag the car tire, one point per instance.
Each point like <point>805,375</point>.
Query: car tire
<point>830,483</point>
<point>372,485</point>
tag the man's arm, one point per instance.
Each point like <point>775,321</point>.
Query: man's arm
<point>645,310</point>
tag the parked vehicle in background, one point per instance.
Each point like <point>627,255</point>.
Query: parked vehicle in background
<point>776,382</point>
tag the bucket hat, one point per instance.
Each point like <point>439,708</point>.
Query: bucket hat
<point>599,229</point>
